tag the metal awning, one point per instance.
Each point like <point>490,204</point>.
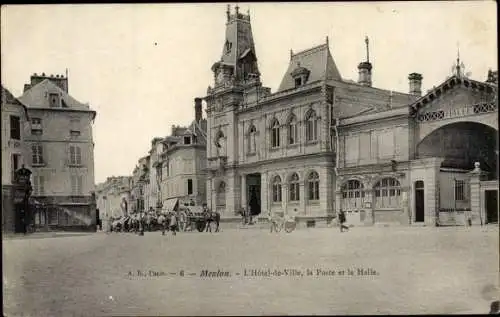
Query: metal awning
<point>171,204</point>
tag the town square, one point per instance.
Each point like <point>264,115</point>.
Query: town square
<point>250,159</point>
<point>418,271</point>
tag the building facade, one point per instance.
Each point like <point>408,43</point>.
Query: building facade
<point>322,143</point>
<point>61,149</point>
<point>183,162</point>
<point>113,196</point>
<point>15,125</point>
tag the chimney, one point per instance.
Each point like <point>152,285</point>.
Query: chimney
<point>365,74</point>
<point>60,81</point>
<point>365,68</point>
<point>197,110</point>
<point>415,84</point>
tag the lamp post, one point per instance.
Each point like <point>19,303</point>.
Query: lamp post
<point>140,206</point>
<point>159,203</point>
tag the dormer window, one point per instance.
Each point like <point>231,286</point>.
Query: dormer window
<point>298,82</point>
<point>54,100</point>
<point>300,75</point>
<point>229,45</point>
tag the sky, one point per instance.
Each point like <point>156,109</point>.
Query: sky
<point>140,66</point>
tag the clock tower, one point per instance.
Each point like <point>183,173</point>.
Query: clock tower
<point>236,81</point>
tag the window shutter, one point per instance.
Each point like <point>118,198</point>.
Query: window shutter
<point>41,183</point>
<point>72,154</point>
<point>78,155</point>
<point>73,185</point>
<point>80,185</point>
<point>33,156</point>
<point>40,150</point>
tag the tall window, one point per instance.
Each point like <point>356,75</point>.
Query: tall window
<point>54,100</point>
<point>294,187</point>
<point>293,136</point>
<point>313,181</point>
<point>277,189</point>
<point>75,155</point>
<point>460,190</point>
<point>38,185</point>
<point>15,164</point>
<point>387,193</point>
<point>221,195</point>
<point>37,151</point>
<point>190,186</point>
<point>252,139</point>
<point>352,195</point>
<point>15,128</point>
<point>76,185</point>
<point>311,126</point>
<point>275,134</point>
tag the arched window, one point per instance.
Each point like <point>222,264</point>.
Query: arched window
<point>352,195</point>
<point>294,187</point>
<point>311,126</point>
<point>313,181</point>
<point>252,140</point>
<point>275,133</point>
<point>221,195</point>
<point>277,189</point>
<point>220,144</point>
<point>293,135</point>
<point>387,193</point>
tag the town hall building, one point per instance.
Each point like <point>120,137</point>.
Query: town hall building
<point>322,143</point>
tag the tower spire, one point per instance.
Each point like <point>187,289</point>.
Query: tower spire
<point>367,42</point>
<point>228,12</point>
<point>458,59</point>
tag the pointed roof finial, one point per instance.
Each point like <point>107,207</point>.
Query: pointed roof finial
<point>327,40</point>
<point>367,42</point>
<point>228,11</point>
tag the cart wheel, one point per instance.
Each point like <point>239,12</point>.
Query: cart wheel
<point>200,225</point>
<point>289,227</point>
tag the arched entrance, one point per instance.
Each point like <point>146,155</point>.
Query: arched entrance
<point>461,144</point>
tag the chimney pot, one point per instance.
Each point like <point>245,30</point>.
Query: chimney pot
<point>415,81</point>
<point>43,74</point>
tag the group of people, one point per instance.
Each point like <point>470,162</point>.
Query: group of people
<point>180,220</point>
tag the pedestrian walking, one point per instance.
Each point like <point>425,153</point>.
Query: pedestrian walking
<point>173,223</point>
<point>272,222</point>
<point>342,220</point>
<point>163,223</point>
<point>468,218</point>
<point>182,220</point>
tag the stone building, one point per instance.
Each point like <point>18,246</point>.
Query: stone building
<point>183,161</point>
<point>61,148</point>
<point>113,196</point>
<point>322,143</point>
<point>15,125</point>
<point>140,186</point>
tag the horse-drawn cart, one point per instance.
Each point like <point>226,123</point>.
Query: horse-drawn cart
<point>195,218</point>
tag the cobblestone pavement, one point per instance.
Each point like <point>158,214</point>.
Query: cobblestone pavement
<point>419,270</point>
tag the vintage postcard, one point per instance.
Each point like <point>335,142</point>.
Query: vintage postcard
<point>206,159</point>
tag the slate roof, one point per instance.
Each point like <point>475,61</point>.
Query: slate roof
<point>317,60</point>
<point>36,97</point>
<point>8,97</point>
<point>370,99</point>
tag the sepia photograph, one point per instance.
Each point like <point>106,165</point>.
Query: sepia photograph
<point>250,159</point>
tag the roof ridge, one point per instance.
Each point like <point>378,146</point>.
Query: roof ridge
<point>310,50</point>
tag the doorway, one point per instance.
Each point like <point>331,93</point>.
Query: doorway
<point>419,201</point>
<point>253,193</point>
<point>491,204</point>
